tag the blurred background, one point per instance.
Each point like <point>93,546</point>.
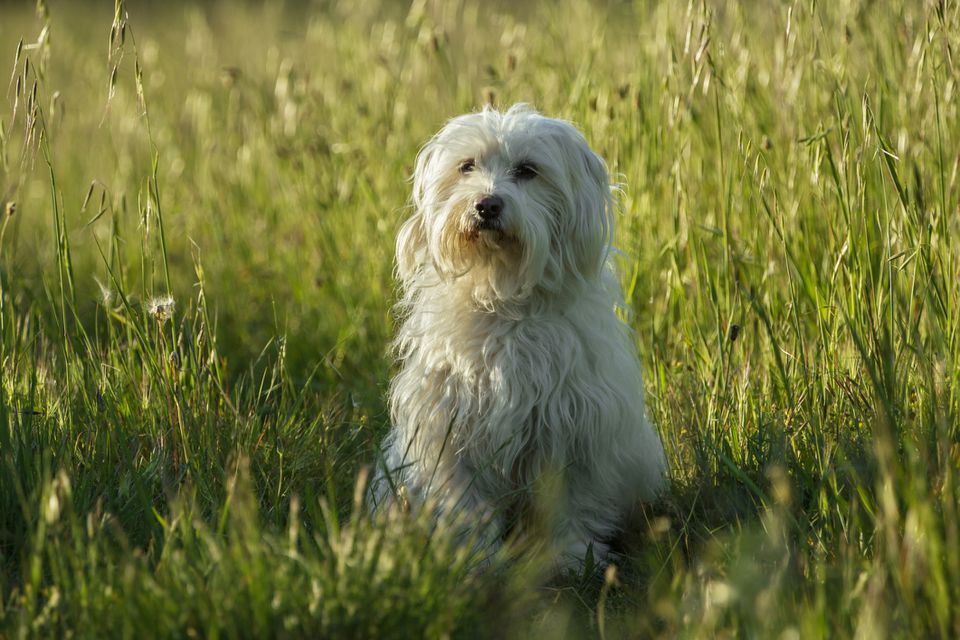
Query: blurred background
<point>200,203</point>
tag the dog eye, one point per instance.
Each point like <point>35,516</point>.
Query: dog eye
<point>467,166</point>
<point>524,171</point>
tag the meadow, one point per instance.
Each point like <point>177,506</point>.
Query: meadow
<point>199,205</point>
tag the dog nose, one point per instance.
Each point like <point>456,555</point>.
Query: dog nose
<point>489,207</point>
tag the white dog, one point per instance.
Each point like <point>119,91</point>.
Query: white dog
<point>514,364</point>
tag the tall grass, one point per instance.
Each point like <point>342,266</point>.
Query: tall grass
<point>199,206</point>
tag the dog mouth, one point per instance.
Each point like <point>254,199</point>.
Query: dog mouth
<point>488,229</point>
<point>486,225</point>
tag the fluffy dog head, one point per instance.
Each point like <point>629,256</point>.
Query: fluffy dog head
<point>509,202</point>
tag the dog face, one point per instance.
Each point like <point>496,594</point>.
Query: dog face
<point>512,201</point>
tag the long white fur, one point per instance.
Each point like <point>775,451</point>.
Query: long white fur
<point>513,362</point>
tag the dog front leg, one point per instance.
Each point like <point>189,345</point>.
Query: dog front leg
<point>586,524</point>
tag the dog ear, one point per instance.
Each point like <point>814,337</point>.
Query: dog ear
<point>412,238</point>
<point>410,246</point>
<point>592,225</point>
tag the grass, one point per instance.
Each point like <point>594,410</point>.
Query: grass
<point>788,250</point>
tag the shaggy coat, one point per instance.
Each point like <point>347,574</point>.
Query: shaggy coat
<point>514,366</point>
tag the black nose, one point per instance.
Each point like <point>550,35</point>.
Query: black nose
<point>489,207</point>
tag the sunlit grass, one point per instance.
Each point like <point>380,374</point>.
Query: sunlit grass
<point>199,208</point>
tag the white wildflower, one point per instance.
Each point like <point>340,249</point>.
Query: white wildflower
<point>161,308</point>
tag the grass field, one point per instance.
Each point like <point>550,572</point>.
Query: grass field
<point>199,206</point>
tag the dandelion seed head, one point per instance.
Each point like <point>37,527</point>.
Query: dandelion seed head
<point>162,307</point>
